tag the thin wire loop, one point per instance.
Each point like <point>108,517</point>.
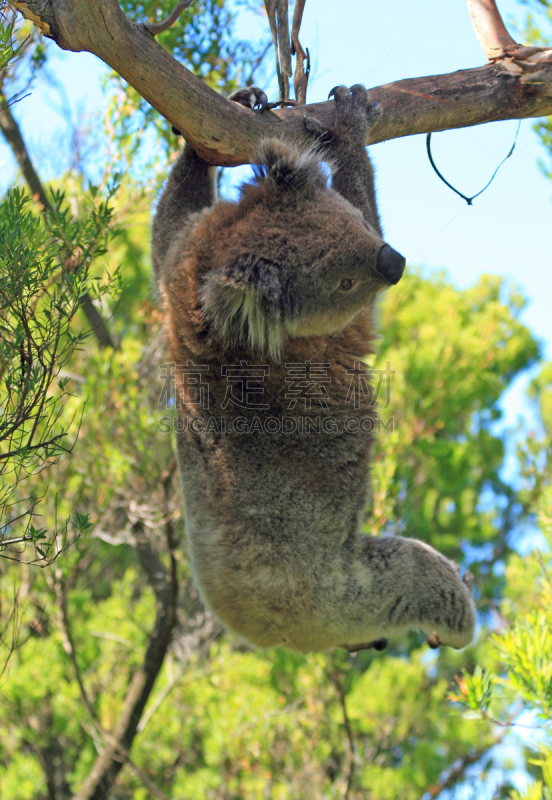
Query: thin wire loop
<point>469,200</point>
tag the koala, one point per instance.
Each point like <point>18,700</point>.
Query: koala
<point>279,283</point>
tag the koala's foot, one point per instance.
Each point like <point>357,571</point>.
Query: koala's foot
<point>250,97</point>
<point>454,639</point>
<point>377,644</point>
<point>354,117</point>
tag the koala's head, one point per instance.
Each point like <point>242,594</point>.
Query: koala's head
<point>293,258</point>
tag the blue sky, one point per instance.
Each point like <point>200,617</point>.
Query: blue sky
<point>506,232</point>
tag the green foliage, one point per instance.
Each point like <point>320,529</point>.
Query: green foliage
<point>44,273</point>
<point>223,721</point>
<point>518,677</point>
<point>535,34</point>
<point>235,722</point>
<point>435,474</point>
<point>7,51</point>
<point>44,276</point>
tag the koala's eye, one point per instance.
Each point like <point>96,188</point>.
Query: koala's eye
<point>346,284</point>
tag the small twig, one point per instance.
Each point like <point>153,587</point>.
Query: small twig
<point>153,707</point>
<point>256,64</point>
<point>284,46</point>
<point>509,723</point>
<point>146,781</point>
<point>270,6</point>
<point>458,770</point>
<point>14,620</point>
<point>301,77</point>
<point>13,100</point>
<point>277,103</point>
<point>158,27</point>
<point>69,647</point>
<point>350,738</point>
<point>538,556</point>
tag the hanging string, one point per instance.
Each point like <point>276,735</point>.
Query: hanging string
<point>469,200</point>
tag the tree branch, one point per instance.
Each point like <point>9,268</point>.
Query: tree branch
<point>225,133</point>
<point>60,591</point>
<point>492,34</point>
<point>158,27</point>
<point>13,136</point>
<point>458,770</point>
<point>335,678</point>
<point>301,77</point>
<point>109,763</point>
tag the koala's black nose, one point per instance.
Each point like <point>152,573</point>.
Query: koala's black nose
<point>390,264</point>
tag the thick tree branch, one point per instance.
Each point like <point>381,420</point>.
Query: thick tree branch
<point>13,136</point>
<point>508,89</point>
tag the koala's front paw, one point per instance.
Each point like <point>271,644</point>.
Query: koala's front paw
<point>354,113</point>
<point>250,97</point>
<point>354,116</point>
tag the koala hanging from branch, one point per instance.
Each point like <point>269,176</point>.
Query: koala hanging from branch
<point>281,283</point>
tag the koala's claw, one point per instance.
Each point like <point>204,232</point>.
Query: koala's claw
<point>342,92</point>
<point>354,115</point>
<point>468,579</point>
<point>250,97</point>
<point>433,641</point>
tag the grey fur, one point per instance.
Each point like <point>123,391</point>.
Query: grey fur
<point>273,519</point>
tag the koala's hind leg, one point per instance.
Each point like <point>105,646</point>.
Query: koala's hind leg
<point>382,586</point>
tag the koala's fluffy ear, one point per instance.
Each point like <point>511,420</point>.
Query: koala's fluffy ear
<point>243,303</point>
<point>286,168</point>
